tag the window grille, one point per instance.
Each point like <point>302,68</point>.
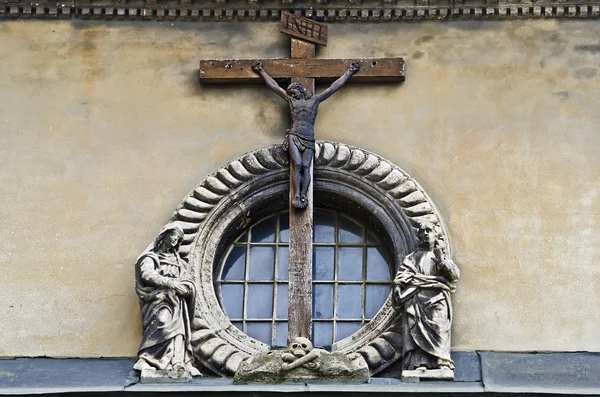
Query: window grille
<point>351,278</point>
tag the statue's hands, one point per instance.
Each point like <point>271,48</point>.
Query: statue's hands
<point>181,289</point>
<point>354,67</point>
<point>439,254</point>
<point>257,66</point>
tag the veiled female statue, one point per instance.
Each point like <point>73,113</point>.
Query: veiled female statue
<point>422,290</point>
<point>167,293</point>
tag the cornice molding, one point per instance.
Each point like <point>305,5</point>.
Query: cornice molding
<point>320,10</point>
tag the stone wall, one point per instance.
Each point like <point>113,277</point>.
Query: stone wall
<point>104,129</point>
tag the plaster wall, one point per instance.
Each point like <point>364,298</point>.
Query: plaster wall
<point>104,129</point>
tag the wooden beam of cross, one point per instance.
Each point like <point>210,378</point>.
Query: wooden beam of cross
<point>302,68</point>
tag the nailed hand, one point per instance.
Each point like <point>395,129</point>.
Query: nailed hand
<point>257,66</point>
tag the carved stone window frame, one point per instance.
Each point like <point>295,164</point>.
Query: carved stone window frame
<point>346,178</point>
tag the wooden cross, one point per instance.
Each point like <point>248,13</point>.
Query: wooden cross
<point>303,68</point>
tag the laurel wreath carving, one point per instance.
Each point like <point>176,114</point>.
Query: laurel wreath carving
<point>214,351</point>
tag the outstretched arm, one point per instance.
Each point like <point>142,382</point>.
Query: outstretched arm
<point>354,67</point>
<point>272,84</point>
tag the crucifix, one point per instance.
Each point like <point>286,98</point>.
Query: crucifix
<point>303,68</point>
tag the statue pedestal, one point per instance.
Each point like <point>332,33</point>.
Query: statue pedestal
<point>327,367</point>
<point>151,375</point>
<point>416,375</point>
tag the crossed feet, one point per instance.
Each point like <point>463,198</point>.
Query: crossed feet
<point>300,201</point>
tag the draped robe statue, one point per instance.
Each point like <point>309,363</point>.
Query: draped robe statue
<point>167,294</point>
<point>422,290</point>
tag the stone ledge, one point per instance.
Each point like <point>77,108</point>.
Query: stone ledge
<point>270,10</point>
<point>526,373</point>
<point>565,373</point>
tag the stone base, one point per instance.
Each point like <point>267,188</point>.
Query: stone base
<point>328,367</point>
<point>151,375</point>
<point>427,374</point>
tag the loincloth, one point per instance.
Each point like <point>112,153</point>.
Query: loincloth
<point>300,142</point>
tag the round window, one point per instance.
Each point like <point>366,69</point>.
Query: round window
<point>351,278</point>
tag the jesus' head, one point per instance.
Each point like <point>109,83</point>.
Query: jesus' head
<point>297,91</point>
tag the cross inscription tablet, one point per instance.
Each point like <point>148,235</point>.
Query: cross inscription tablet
<point>305,69</point>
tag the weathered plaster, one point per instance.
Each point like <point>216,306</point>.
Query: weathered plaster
<point>104,128</point>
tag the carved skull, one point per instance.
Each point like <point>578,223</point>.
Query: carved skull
<point>300,347</point>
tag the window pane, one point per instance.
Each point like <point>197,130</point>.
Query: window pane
<point>377,267</point>
<point>322,334</point>
<point>260,301</point>
<point>260,331</point>
<point>283,259</point>
<point>322,301</point>
<point>350,264</point>
<point>238,325</point>
<point>282,301</point>
<point>284,228</point>
<point>322,263</point>
<point>243,238</point>
<point>264,232</point>
<point>281,331</point>
<point>235,264</point>
<point>262,262</point>
<point>371,239</point>
<point>324,229</point>
<point>376,297</point>
<point>346,329</point>
<point>350,232</point>
<point>233,298</point>
<point>349,301</point>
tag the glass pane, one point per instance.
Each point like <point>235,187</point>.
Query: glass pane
<point>264,232</point>
<point>322,301</point>
<point>350,232</point>
<point>324,229</point>
<point>349,301</point>
<point>283,258</point>
<point>233,299</point>
<point>376,297</point>
<point>238,325</point>
<point>282,301</point>
<point>377,267</point>
<point>322,263</point>
<point>346,329</point>
<point>243,238</point>
<point>350,264</point>
<point>262,262</point>
<point>281,331</point>
<point>284,228</point>
<point>322,334</point>
<point>235,264</point>
<point>260,331</point>
<point>260,301</point>
<point>371,239</point>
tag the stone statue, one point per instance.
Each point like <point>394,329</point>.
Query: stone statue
<point>167,293</point>
<point>421,293</point>
<point>300,138</point>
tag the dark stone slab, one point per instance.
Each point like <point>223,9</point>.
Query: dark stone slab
<point>572,373</point>
<point>210,386</point>
<point>467,366</point>
<point>46,375</point>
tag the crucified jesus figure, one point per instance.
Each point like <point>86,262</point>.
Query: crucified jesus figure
<point>300,138</point>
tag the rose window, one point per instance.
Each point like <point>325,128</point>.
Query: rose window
<point>351,278</point>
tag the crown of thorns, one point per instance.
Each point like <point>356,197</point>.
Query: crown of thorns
<point>297,86</point>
